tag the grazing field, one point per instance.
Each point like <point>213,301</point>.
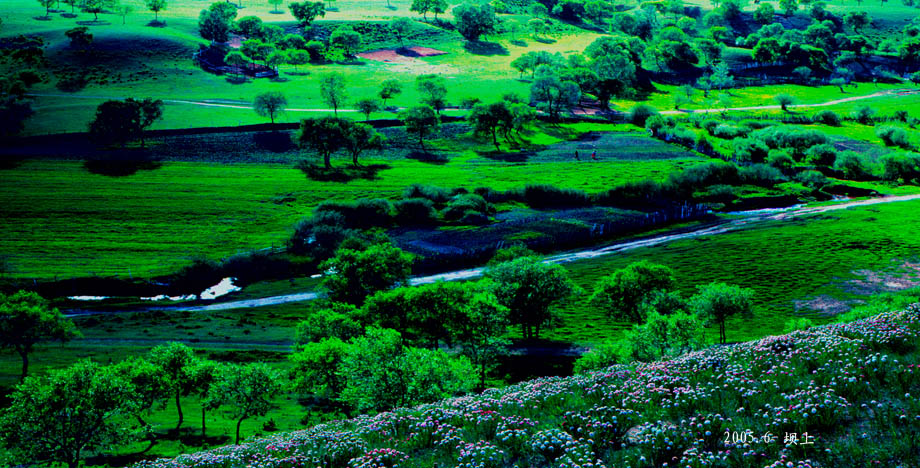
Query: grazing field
<point>322,158</point>
<point>65,221</point>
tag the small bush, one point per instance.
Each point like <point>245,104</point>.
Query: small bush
<point>853,166</point>
<point>754,124</point>
<point>640,113</point>
<point>603,355</point>
<point>863,114</point>
<point>893,136</point>
<point>797,324</point>
<point>372,212</point>
<point>462,206</point>
<point>900,167</point>
<point>415,211</point>
<point>749,150</point>
<point>710,125</point>
<point>761,175</point>
<point>827,117</point>
<point>438,195</point>
<point>811,179</point>
<point>780,159</point>
<point>679,135</point>
<point>821,155</point>
<point>730,132</point>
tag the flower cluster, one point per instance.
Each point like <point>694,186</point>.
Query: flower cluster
<point>841,383</point>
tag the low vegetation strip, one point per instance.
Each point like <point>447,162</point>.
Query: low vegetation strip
<point>806,399</point>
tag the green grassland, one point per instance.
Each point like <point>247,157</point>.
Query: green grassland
<point>782,261</point>
<point>64,221</point>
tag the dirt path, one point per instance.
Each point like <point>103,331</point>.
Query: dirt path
<point>747,219</point>
<point>820,104</point>
<point>243,105</point>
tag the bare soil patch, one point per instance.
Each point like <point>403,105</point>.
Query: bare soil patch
<point>401,55</point>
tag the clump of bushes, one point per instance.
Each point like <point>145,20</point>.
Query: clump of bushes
<point>827,117</point>
<point>901,167</point>
<point>863,114</point>
<point>893,136</point>
<point>640,113</point>
<point>415,212</point>
<point>468,209</point>
<point>548,196</point>
<point>853,165</point>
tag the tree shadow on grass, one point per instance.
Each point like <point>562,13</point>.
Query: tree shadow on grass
<point>519,43</point>
<point>94,23</point>
<point>517,157</point>
<point>9,162</point>
<point>121,163</point>
<point>276,142</point>
<point>157,24</point>
<point>68,15</point>
<point>545,40</point>
<point>341,174</point>
<point>234,79</point>
<point>428,157</point>
<point>280,79</point>
<point>485,48</point>
<point>42,18</point>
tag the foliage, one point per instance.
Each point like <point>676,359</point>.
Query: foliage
<point>358,274</point>
<point>246,390</point>
<point>123,121</point>
<point>530,289</point>
<point>216,22</point>
<point>68,414</point>
<point>26,319</point>
<point>474,21</point>
<point>307,11</point>
<point>383,374</point>
<point>715,302</point>
<point>176,362</point>
<point>420,120</point>
<point>270,104</point>
<point>630,293</point>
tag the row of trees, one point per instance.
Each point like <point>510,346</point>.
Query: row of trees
<point>70,413</point>
<point>102,6</point>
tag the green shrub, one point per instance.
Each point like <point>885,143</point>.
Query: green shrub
<point>749,150</point>
<point>827,117</point>
<point>900,167</point>
<point>761,175</point>
<point>853,165</point>
<point>729,132</point>
<point>893,136</point>
<point>603,355</point>
<point>436,194</point>
<point>797,324</point>
<point>463,205</point>
<point>821,155</point>
<point>811,179</point>
<point>415,211</point>
<point>640,113</point>
<point>710,125</point>
<point>780,159</point>
<point>863,114</point>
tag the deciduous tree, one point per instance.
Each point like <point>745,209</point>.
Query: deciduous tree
<point>246,390</point>
<point>332,90</point>
<point>530,289</point>
<point>270,104</point>
<point>26,319</point>
<point>358,274</point>
<point>67,414</point>
<point>715,302</point>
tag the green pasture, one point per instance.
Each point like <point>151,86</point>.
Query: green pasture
<point>63,221</point>
<point>782,261</point>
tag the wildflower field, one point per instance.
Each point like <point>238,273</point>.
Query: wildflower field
<point>839,395</point>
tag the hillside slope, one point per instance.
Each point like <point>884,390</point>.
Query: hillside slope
<point>848,386</point>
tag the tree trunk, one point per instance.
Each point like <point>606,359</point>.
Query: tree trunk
<point>238,423</point>
<point>25,365</point>
<point>354,159</point>
<point>327,161</point>
<point>495,139</point>
<point>203,428</point>
<point>179,410</point>
<point>482,375</point>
